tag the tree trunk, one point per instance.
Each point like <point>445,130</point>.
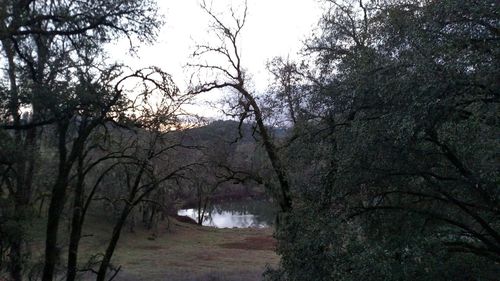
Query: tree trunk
<point>15,254</point>
<point>129,205</point>
<point>58,197</point>
<point>55,210</point>
<point>150,222</point>
<point>76,225</point>
<point>56,206</point>
<point>200,215</point>
<point>103,268</point>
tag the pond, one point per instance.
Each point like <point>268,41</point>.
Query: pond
<point>239,214</point>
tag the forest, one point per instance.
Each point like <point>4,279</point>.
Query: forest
<point>377,147</point>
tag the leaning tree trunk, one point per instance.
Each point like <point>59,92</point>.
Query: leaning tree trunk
<point>127,208</point>
<point>106,260</point>
<point>284,197</point>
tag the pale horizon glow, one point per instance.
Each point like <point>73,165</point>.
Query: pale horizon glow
<point>273,28</point>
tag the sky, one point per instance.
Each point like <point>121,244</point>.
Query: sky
<point>273,28</point>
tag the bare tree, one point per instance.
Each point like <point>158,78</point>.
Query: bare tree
<point>156,113</point>
<point>231,75</point>
<point>142,177</point>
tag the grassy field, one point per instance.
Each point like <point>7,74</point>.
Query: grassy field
<point>180,252</point>
<point>186,252</point>
<point>189,252</point>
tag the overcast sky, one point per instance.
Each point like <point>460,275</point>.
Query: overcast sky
<point>273,28</point>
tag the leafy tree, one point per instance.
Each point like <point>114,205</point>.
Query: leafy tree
<point>406,110</point>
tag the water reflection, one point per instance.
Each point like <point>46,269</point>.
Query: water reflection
<point>240,214</point>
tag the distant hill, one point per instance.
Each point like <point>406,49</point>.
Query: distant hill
<point>226,130</point>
